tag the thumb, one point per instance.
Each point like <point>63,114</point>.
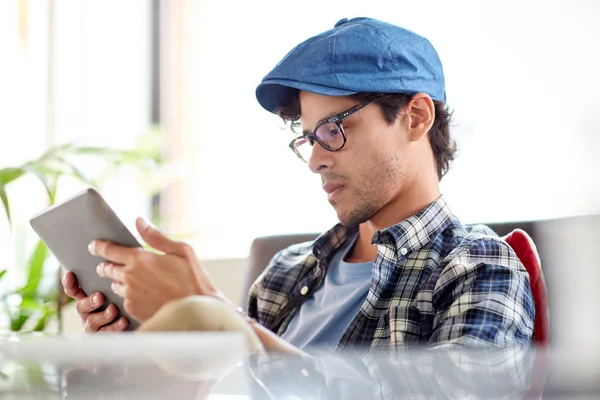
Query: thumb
<point>156,239</point>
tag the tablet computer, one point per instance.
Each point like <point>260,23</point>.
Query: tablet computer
<point>68,227</point>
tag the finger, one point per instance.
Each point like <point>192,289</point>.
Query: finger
<point>97,320</point>
<point>71,287</point>
<point>112,251</point>
<point>118,288</point>
<point>160,242</point>
<point>119,325</point>
<point>111,270</point>
<point>157,240</point>
<point>90,303</point>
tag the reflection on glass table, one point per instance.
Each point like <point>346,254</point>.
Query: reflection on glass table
<point>215,366</point>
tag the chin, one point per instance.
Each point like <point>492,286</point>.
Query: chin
<point>350,218</point>
<point>343,216</point>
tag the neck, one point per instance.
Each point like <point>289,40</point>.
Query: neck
<point>401,207</point>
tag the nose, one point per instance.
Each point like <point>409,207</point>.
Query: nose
<point>320,158</point>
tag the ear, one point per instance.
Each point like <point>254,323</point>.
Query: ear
<point>421,115</point>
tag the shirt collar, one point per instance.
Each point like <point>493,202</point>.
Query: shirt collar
<point>414,233</point>
<point>329,242</point>
<point>403,238</point>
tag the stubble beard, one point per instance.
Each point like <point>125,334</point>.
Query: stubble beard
<point>361,212</point>
<point>379,182</point>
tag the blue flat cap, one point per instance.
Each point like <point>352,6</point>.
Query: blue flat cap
<point>357,55</point>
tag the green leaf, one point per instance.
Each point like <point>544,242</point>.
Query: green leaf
<point>61,147</point>
<point>36,267</point>
<point>2,273</point>
<point>76,172</point>
<point>8,175</point>
<point>30,303</point>
<point>33,169</point>
<point>52,191</point>
<point>103,152</point>
<point>151,144</point>
<point>115,156</point>
<point>53,151</point>
<point>40,325</point>
<point>52,172</point>
<point>17,323</point>
<point>4,199</point>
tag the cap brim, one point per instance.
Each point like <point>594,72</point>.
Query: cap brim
<point>276,93</point>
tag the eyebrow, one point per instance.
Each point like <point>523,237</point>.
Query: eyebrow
<point>333,114</point>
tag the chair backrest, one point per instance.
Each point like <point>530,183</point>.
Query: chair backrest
<point>262,251</point>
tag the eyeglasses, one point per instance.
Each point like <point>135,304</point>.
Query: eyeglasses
<point>329,133</point>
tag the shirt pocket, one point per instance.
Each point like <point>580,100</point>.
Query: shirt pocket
<point>405,326</point>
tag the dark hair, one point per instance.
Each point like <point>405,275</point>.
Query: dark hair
<point>444,148</point>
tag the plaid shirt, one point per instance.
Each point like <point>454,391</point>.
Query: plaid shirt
<point>433,283</point>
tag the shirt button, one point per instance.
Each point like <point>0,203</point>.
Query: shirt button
<point>304,372</point>
<point>403,251</point>
<point>304,290</point>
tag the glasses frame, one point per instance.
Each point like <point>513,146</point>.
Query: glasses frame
<point>337,120</point>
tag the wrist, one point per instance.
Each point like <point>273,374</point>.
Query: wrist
<point>251,321</point>
<point>270,340</point>
<point>261,332</point>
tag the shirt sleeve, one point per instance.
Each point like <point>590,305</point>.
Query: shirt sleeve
<point>252,307</point>
<point>483,297</point>
<point>252,303</point>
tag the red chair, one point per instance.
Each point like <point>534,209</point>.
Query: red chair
<point>522,244</point>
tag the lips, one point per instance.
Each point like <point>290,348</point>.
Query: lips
<point>331,187</point>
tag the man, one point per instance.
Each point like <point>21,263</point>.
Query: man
<point>399,269</point>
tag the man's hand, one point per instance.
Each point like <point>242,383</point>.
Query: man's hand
<point>146,280</point>
<point>86,305</point>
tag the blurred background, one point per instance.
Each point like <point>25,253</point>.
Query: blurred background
<point>153,102</point>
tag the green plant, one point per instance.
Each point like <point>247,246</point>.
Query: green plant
<point>31,303</point>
